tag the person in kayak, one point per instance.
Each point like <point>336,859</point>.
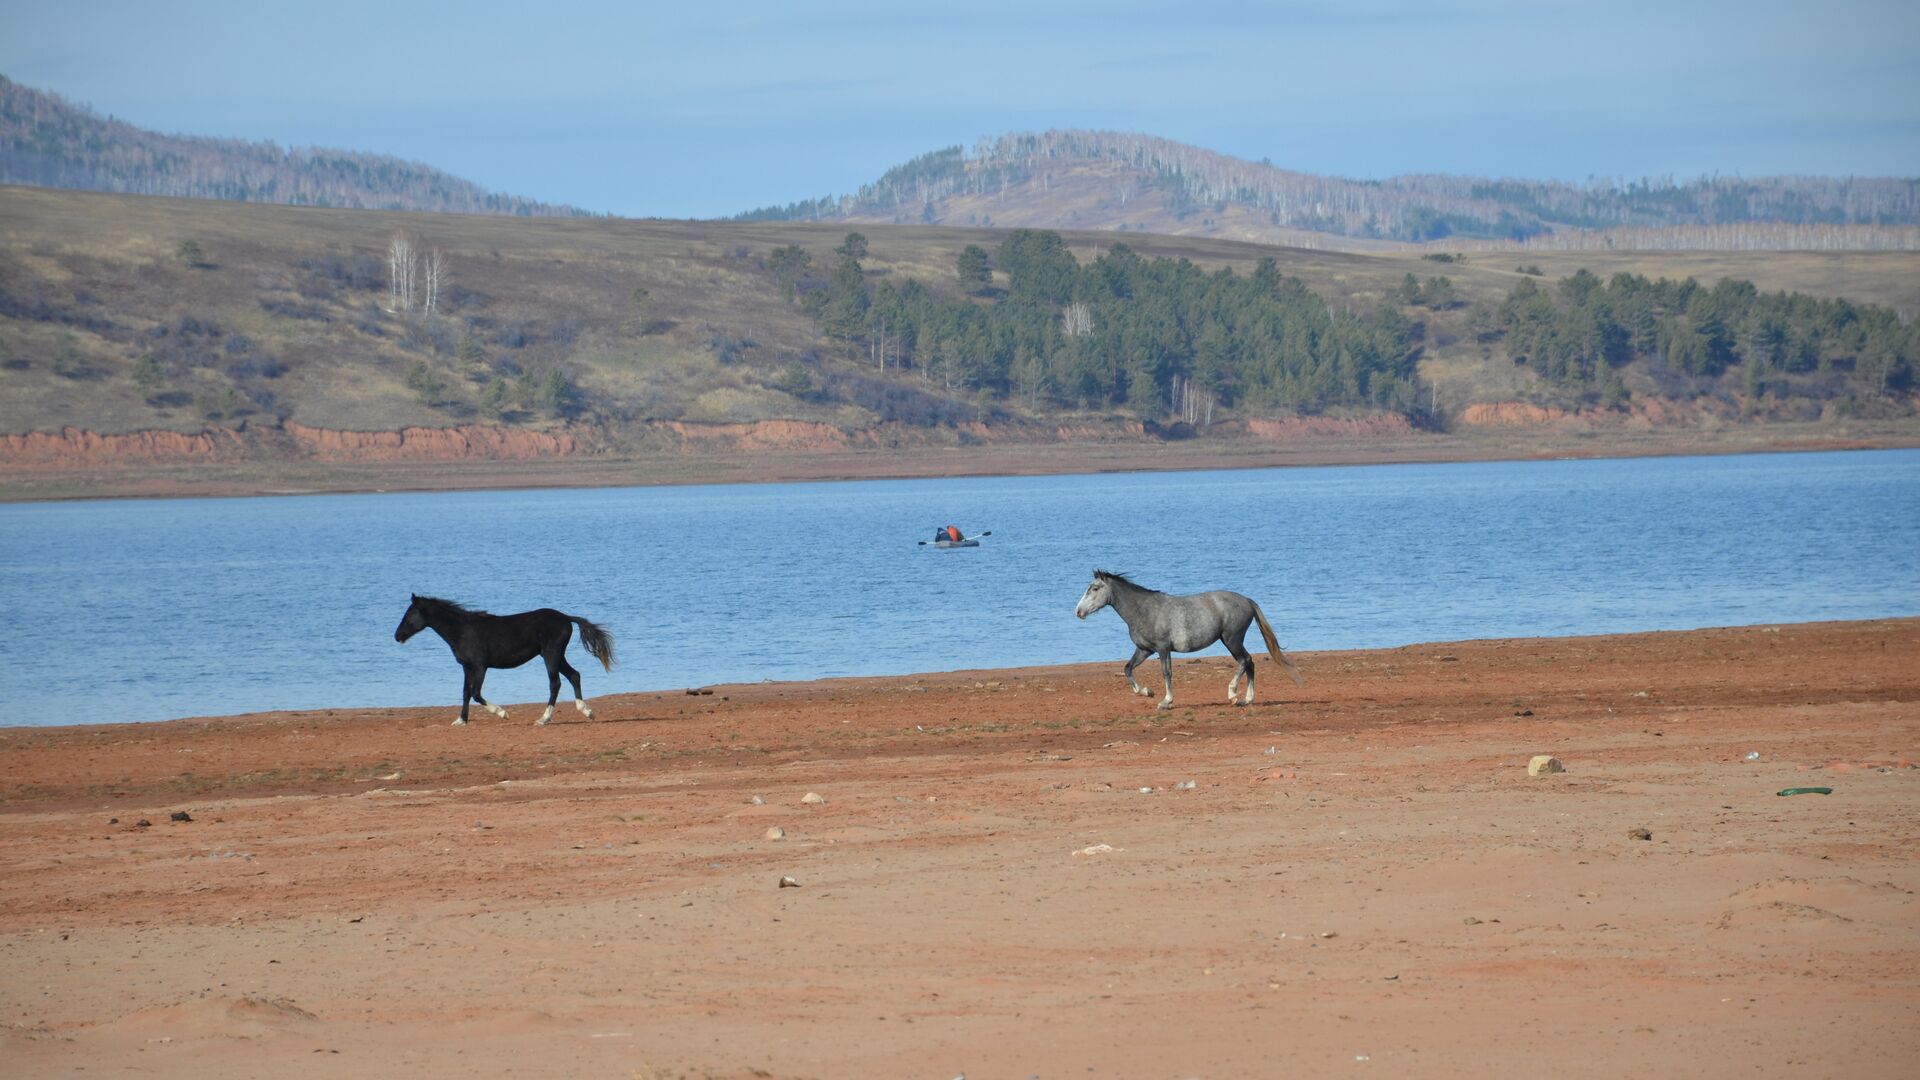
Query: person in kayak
<point>950,536</point>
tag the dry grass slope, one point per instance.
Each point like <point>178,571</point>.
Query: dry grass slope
<point>283,315</point>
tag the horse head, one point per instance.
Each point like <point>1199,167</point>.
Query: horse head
<point>1098,595</point>
<point>414,621</point>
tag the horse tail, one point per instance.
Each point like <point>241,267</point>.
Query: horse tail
<point>1273,646</point>
<point>597,641</point>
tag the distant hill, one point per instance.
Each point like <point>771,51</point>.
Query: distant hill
<point>47,141</point>
<point>1139,183</point>
<point>123,314</point>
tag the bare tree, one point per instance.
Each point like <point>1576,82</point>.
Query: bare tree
<point>1076,320</point>
<point>436,276</point>
<point>1192,403</point>
<point>400,272</point>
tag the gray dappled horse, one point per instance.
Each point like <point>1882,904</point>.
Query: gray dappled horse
<point>1164,624</point>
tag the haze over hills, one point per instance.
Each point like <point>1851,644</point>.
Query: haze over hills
<point>1140,183</point>
<point>47,141</point>
<point>1064,179</point>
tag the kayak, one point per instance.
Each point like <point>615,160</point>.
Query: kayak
<point>964,541</point>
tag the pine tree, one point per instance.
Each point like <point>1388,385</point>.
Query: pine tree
<point>972,268</point>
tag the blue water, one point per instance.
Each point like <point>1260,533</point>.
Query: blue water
<point>116,611</point>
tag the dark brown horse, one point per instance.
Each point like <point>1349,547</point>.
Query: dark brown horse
<point>481,641</point>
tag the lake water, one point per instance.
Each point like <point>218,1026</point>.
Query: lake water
<point>143,610</point>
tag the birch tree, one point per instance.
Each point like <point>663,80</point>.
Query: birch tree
<point>436,275</point>
<point>400,272</point>
<point>1076,320</point>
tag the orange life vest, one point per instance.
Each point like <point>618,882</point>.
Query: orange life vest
<point>953,533</point>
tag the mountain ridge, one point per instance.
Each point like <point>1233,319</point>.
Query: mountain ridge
<point>1133,182</point>
<point>48,141</point>
<point>1055,179</point>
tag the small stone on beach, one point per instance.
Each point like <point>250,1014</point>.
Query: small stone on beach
<point>1542,764</point>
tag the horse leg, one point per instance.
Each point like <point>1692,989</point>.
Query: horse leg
<point>579,699</point>
<point>477,675</point>
<point>1166,668</point>
<point>466,694</point>
<point>1242,668</point>
<point>1237,645</point>
<point>553,687</point>
<point>1138,655</point>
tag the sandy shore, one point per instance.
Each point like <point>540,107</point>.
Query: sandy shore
<point>1009,876</point>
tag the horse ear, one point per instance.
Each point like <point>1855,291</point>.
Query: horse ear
<point>413,596</point>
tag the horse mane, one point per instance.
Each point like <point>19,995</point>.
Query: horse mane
<point>1112,577</point>
<point>448,606</point>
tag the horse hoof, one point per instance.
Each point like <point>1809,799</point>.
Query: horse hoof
<point>1165,706</point>
<point>588,713</point>
<point>459,721</point>
<point>542,722</point>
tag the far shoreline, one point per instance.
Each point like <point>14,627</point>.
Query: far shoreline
<point>268,478</point>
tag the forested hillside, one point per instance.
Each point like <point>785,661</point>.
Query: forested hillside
<point>47,141</point>
<point>1686,338</point>
<point>1111,180</point>
<point>1155,335</point>
<point>1162,336</point>
<point>126,314</point>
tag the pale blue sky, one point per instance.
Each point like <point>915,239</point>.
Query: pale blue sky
<point>707,109</point>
